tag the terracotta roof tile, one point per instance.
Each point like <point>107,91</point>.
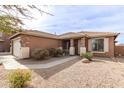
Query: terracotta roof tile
<point>36,33</point>
<point>71,35</point>
<point>66,35</point>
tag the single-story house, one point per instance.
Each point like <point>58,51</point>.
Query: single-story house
<point>74,43</point>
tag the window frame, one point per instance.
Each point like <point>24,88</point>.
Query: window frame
<point>97,49</point>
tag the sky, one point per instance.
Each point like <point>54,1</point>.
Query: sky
<point>75,18</point>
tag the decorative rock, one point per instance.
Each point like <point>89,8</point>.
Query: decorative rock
<point>84,60</point>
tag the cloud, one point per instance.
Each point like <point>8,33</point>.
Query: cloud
<point>78,18</point>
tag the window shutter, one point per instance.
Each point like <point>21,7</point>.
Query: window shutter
<point>106,44</point>
<point>89,44</point>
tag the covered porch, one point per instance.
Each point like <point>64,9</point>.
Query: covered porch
<point>74,46</point>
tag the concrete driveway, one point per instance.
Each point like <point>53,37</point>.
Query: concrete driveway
<point>10,62</point>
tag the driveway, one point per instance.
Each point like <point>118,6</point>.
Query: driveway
<point>10,62</point>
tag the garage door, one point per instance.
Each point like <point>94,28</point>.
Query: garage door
<point>17,48</point>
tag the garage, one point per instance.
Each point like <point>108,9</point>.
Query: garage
<point>17,48</point>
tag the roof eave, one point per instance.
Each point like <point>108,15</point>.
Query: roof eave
<point>29,34</point>
<point>14,35</point>
<point>104,36</point>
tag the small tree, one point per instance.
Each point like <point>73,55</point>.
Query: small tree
<point>87,55</point>
<point>12,16</point>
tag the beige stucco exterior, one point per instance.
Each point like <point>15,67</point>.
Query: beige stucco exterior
<point>83,45</point>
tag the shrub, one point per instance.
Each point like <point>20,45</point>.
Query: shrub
<point>18,78</point>
<point>59,52</point>
<point>44,53</point>
<point>88,55</point>
<point>39,54</point>
<point>55,52</point>
<point>52,52</point>
<point>35,53</point>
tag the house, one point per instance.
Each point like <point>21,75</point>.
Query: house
<point>4,42</point>
<point>74,43</point>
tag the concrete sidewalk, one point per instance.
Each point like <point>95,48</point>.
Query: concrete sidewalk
<point>10,63</point>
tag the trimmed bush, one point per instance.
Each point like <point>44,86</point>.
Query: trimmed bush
<point>52,52</point>
<point>55,52</point>
<point>18,78</point>
<point>39,54</point>
<point>36,53</point>
<point>59,52</point>
<point>44,53</point>
<point>87,55</point>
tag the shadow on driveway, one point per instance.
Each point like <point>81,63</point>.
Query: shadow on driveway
<point>47,73</point>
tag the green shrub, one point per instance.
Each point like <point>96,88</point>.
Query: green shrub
<point>35,53</point>
<point>87,55</point>
<point>59,52</point>
<point>44,53</point>
<point>39,54</point>
<point>18,78</point>
<point>52,52</point>
<point>55,52</point>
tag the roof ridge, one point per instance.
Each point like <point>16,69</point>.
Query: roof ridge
<point>41,32</point>
<point>66,33</point>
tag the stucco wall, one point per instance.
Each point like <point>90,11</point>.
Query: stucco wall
<point>111,46</point>
<point>38,42</point>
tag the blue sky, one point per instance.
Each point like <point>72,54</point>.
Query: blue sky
<point>80,18</point>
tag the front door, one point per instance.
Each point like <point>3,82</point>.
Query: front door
<point>66,46</point>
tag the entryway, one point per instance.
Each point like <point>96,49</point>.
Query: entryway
<point>66,44</point>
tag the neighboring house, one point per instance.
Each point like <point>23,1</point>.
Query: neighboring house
<point>99,43</point>
<point>4,42</point>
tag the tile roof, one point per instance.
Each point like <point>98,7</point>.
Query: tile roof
<point>71,35</point>
<point>36,33</point>
<point>65,35</point>
<point>99,34</point>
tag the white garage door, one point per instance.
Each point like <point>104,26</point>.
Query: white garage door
<point>17,48</point>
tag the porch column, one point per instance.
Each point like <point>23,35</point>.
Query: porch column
<point>82,46</point>
<point>72,48</point>
<point>60,45</point>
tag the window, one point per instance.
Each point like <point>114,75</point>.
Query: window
<point>98,45</point>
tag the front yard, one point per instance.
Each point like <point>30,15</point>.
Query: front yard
<point>76,74</point>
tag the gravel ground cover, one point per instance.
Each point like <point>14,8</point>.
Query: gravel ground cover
<point>75,74</point>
